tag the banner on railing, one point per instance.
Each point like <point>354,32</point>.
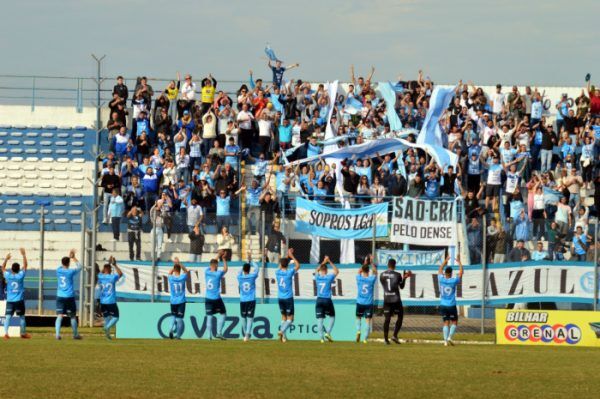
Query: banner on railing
<point>424,222</point>
<point>409,258</point>
<point>506,283</point>
<point>340,223</point>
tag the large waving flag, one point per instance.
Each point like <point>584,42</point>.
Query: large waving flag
<point>389,95</point>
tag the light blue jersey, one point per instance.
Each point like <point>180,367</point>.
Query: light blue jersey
<point>284,283</point>
<point>108,293</point>
<point>15,288</point>
<point>177,288</point>
<point>213,283</point>
<point>448,290</point>
<point>65,281</point>
<point>365,287</point>
<point>247,284</point>
<point>324,285</point>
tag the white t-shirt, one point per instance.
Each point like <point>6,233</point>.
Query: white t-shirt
<point>512,179</point>
<point>245,120</point>
<point>188,91</point>
<point>494,174</point>
<point>498,99</point>
<point>538,201</point>
<point>264,128</point>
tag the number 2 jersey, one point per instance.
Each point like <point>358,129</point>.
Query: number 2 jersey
<point>392,282</point>
<point>108,293</point>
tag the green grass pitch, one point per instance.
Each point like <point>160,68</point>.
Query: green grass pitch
<point>97,368</point>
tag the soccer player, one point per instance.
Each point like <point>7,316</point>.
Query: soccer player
<point>213,301</point>
<point>448,298</point>
<point>324,306</point>
<point>247,281</point>
<point>65,294</point>
<point>364,298</point>
<point>177,277</point>
<point>15,290</point>
<point>107,281</point>
<point>285,292</point>
<point>392,283</point>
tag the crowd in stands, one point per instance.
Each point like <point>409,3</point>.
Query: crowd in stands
<point>187,148</point>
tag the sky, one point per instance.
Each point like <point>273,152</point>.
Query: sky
<point>537,42</point>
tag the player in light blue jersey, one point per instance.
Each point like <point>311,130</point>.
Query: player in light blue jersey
<point>365,286</point>
<point>15,293</point>
<point>177,278</point>
<point>213,301</point>
<point>247,282</point>
<point>448,309</point>
<point>324,306</point>
<point>285,291</point>
<point>107,281</point>
<point>65,293</point>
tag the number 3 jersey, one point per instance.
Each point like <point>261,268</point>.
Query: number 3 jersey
<point>65,278</point>
<point>392,282</point>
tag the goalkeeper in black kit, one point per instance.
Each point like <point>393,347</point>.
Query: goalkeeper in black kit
<point>392,283</point>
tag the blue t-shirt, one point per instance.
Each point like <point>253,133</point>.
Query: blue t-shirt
<point>536,110</point>
<point>432,187</point>
<point>213,283</point>
<point>277,75</point>
<point>284,283</point>
<point>578,246</point>
<point>177,288</point>
<point>232,159</point>
<point>285,134</point>
<point>253,196</point>
<point>108,293</point>
<point>64,288</point>
<point>448,290</point>
<point>223,205</point>
<point>365,286</point>
<point>14,286</point>
<point>247,284</point>
<point>324,285</point>
<point>313,150</point>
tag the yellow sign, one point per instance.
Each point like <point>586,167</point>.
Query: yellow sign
<point>552,327</point>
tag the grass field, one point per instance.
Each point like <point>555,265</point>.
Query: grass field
<point>94,367</point>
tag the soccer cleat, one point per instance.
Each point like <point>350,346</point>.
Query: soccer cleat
<point>364,341</point>
<point>284,339</point>
<point>58,337</point>
<point>26,336</point>
<point>396,340</point>
<point>328,337</point>
<point>451,342</point>
<point>6,336</point>
<point>386,342</point>
<point>280,336</point>
<point>445,343</point>
<point>107,334</point>
<point>358,336</point>
<point>77,337</point>
<point>246,339</point>
<point>322,341</point>
<point>222,338</point>
<point>171,334</point>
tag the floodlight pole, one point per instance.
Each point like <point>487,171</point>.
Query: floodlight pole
<point>596,265</point>
<point>483,272</point>
<point>41,273</point>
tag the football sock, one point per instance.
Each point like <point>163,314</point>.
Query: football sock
<point>452,331</point>
<point>23,326</point>
<point>331,323</point>
<point>320,322</point>
<point>249,322</point>
<point>74,326</point>
<point>445,330</point>
<point>57,325</point>
<point>6,324</point>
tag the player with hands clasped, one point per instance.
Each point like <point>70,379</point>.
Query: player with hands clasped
<point>15,293</point>
<point>178,276</point>
<point>107,281</point>
<point>285,291</point>
<point>213,302</point>
<point>324,306</point>
<point>448,309</point>
<point>365,284</point>
<point>247,282</point>
<point>65,294</point>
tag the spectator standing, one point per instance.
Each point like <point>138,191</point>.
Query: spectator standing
<point>275,243</point>
<point>519,253</point>
<point>156,217</point>
<point>115,210</point>
<point>209,85</point>
<point>134,232</point>
<point>195,214</point>
<point>109,182</point>
<point>196,243</point>
<point>225,242</point>
<point>580,245</point>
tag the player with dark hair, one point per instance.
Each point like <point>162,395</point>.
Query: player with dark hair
<point>213,302</point>
<point>364,298</point>
<point>285,291</point>
<point>107,281</point>
<point>177,278</point>
<point>65,294</point>
<point>15,293</point>
<point>324,305</point>
<point>392,283</point>
<point>448,309</point>
<point>247,282</point>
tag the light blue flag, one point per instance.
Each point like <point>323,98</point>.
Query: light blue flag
<point>351,101</point>
<point>397,87</point>
<point>270,53</point>
<point>551,196</point>
<point>431,132</point>
<point>276,104</point>
<point>389,95</point>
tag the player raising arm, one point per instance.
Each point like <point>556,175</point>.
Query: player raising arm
<point>177,279</point>
<point>107,281</point>
<point>448,298</point>
<point>213,302</point>
<point>247,282</point>
<point>15,293</point>
<point>392,283</point>
<point>65,294</point>
<point>364,298</point>
<point>324,306</point>
<point>285,291</point>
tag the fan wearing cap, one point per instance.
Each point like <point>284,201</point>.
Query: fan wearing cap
<point>448,309</point>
